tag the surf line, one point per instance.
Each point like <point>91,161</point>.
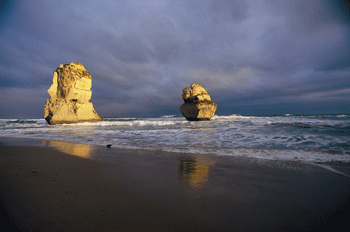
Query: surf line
<point>330,169</point>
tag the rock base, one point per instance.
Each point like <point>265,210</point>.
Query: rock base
<point>60,111</point>
<point>199,110</point>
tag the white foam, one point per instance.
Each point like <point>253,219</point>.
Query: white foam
<point>284,138</point>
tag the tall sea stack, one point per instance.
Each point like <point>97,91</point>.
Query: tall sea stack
<point>198,105</point>
<point>70,94</point>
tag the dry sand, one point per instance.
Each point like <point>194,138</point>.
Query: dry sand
<point>43,189</point>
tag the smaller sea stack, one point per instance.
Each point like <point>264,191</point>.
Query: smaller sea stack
<point>70,94</point>
<point>197,105</point>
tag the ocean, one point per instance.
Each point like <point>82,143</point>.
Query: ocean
<point>312,138</point>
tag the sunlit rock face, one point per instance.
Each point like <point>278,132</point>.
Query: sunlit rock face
<point>198,104</point>
<point>70,94</point>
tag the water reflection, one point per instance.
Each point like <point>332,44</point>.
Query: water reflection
<point>81,150</point>
<point>194,170</point>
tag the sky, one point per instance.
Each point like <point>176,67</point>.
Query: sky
<point>254,57</point>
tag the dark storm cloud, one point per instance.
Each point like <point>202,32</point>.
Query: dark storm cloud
<point>252,56</point>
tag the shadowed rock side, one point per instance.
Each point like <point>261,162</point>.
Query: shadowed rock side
<point>70,94</point>
<point>198,105</point>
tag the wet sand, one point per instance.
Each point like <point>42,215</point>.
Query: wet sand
<point>62,186</point>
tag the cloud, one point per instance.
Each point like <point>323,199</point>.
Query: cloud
<point>18,102</point>
<point>141,54</point>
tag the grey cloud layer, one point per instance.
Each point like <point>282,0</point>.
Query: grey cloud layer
<point>247,54</point>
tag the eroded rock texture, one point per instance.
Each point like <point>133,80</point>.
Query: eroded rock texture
<point>197,103</point>
<point>70,94</point>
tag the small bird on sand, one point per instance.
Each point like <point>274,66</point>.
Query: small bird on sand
<point>109,145</point>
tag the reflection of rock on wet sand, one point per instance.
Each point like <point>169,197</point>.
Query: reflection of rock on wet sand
<point>194,170</point>
<point>81,150</point>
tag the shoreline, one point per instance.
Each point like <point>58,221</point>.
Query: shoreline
<point>92,151</point>
<point>134,190</point>
<point>274,138</point>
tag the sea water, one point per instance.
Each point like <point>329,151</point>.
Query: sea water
<point>315,138</point>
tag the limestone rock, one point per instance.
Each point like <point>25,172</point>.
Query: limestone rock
<point>198,104</point>
<point>195,92</point>
<point>70,94</point>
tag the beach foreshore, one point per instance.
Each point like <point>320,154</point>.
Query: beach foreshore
<point>60,186</point>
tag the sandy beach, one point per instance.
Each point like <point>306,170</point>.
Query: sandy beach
<point>59,186</point>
